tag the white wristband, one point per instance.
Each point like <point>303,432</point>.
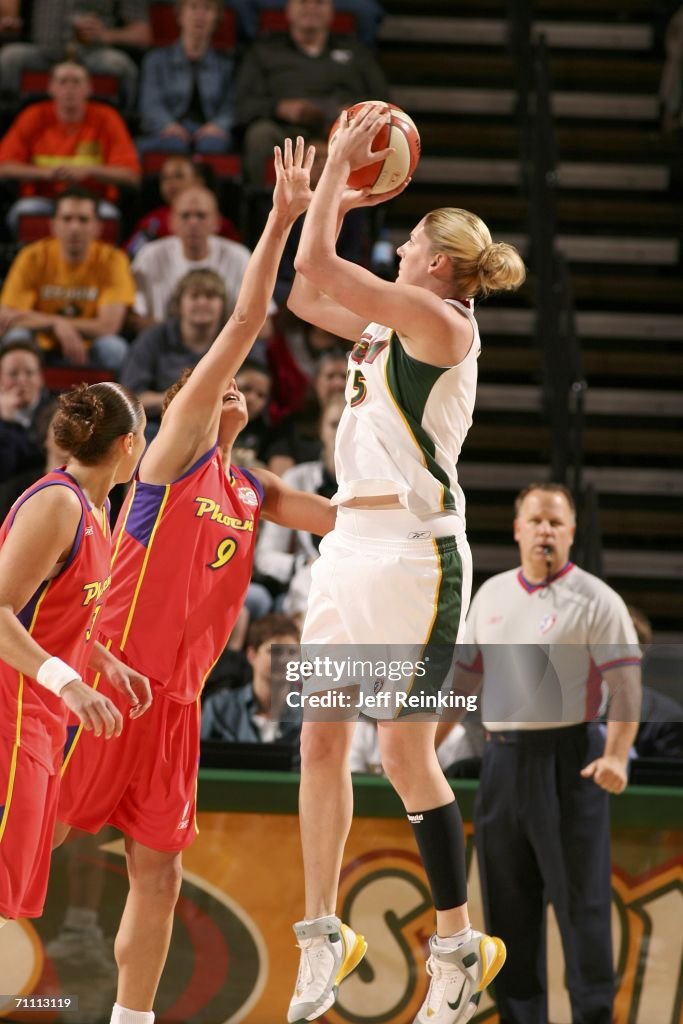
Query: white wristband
<point>54,674</point>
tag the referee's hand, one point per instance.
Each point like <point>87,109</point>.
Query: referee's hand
<point>608,772</point>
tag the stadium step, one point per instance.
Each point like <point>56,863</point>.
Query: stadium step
<point>571,174</point>
<point>495,32</point>
<point>512,477</point>
<point>502,102</point>
<point>619,223</point>
<point>664,252</point>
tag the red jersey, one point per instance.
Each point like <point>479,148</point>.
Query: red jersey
<point>60,617</point>
<point>181,568</point>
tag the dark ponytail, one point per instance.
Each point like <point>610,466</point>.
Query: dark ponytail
<point>90,418</point>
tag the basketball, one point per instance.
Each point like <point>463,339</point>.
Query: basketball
<point>401,133</point>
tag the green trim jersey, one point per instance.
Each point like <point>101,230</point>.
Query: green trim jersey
<point>404,423</point>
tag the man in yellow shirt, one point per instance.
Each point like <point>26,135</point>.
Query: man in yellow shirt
<point>70,291</point>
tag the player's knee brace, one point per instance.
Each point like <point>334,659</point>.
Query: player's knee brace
<point>441,841</point>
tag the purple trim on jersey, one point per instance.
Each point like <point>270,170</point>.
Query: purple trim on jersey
<point>148,498</point>
<point>198,464</point>
<point>144,511</point>
<point>531,588</point>
<point>79,532</point>
<point>618,662</point>
<point>25,616</point>
<point>256,484</point>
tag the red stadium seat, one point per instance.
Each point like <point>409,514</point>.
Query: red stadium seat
<point>34,84</point>
<point>274,19</point>
<point>223,165</point>
<point>32,227</point>
<point>162,16</point>
<point>59,378</point>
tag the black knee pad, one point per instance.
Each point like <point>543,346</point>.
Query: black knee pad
<point>441,841</point>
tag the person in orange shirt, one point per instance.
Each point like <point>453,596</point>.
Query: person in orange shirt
<point>64,141</point>
<point>71,290</point>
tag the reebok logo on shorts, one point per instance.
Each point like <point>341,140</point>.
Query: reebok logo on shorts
<point>184,820</point>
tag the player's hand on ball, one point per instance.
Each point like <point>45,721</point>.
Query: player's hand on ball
<point>608,772</point>
<point>354,138</point>
<point>133,685</point>
<point>292,193</point>
<point>355,197</point>
<point>96,712</point>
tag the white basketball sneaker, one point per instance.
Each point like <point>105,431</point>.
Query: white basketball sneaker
<point>330,950</point>
<point>459,977</point>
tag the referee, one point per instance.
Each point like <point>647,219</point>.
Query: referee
<point>551,642</point>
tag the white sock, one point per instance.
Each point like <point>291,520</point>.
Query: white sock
<point>3,920</point>
<point>80,918</point>
<point>452,942</point>
<point>120,1015</point>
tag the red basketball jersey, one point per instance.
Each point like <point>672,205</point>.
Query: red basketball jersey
<point>180,572</point>
<point>60,616</point>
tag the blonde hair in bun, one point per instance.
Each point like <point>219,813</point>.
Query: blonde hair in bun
<point>480,265</point>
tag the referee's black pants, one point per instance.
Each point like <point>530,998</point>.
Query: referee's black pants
<point>542,836</point>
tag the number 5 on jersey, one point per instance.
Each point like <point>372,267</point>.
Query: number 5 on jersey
<point>359,388</point>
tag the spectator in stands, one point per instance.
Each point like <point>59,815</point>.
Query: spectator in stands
<point>248,714</point>
<point>23,395</point>
<point>297,84</point>
<point>194,245</point>
<point>367,14</point>
<point>22,466</point>
<point>159,355</point>
<point>64,141</point>
<point>85,29</point>
<point>22,398</point>
<point>176,173</point>
<point>255,381</point>
<point>284,557</point>
<point>299,439</point>
<point>186,90</point>
<point>309,343</point>
<point>71,291</point>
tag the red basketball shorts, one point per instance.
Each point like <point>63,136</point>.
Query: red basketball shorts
<point>144,782</point>
<point>28,809</point>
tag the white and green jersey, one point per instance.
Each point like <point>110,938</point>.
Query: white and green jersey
<point>404,423</point>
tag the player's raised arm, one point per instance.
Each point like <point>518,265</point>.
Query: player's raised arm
<point>415,312</point>
<point>190,424</point>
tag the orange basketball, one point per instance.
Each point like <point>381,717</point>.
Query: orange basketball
<point>400,133</point>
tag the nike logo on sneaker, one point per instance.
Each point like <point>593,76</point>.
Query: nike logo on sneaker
<point>456,1004</point>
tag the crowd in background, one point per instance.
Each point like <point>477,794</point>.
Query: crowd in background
<point>130,234</point>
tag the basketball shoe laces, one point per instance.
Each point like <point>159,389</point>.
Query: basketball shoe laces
<point>443,975</point>
<point>317,965</point>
